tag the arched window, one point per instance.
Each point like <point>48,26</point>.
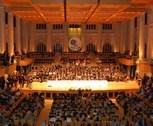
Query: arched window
<point>41,47</point>
<point>107,47</point>
<point>91,48</point>
<point>58,47</point>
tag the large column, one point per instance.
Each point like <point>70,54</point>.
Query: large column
<point>99,42</point>
<point>24,43</point>
<point>121,43</point>
<point>32,35</point>
<point>141,44</point>
<point>66,43</point>
<point>123,37</point>
<point>2,28</point>
<point>131,36</point>
<point>18,35</point>
<point>113,41</point>
<point>117,37</point>
<point>150,36</point>
<point>83,39</point>
<point>49,44</point>
<point>136,34</point>
<point>127,35</point>
<point>10,35</point>
<point>141,38</point>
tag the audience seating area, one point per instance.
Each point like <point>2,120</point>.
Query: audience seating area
<point>75,110</point>
<point>40,55</point>
<point>147,88</point>
<point>43,61</point>
<point>27,112</point>
<point>8,101</point>
<point>106,61</point>
<point>99,110</point>
<point>8,98</point>
<point>139,111</point>
<point>41,58</point>
<point>73,57</point>
<point>47,57</point>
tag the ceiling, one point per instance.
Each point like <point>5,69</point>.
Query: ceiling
<point>77,11</point>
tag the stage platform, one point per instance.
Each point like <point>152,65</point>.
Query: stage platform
<point>57,87</point>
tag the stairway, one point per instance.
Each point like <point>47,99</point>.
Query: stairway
<point>44,114</point>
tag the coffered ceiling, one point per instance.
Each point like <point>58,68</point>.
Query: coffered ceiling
<point>77,11</point>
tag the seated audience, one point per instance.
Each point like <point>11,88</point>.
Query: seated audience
<point>139,112</point>
<point>83,110</point>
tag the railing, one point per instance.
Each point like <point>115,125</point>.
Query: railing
<point>144,99</point>
<point>16,104</point>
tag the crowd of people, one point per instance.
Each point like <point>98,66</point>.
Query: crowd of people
<point>7,99</point>
<point>90,110</point>
<point>5,59</point>
<point>14,79</point>
<point>78,72</point>
<point>84,111</point>
<point>146,88</point>
<point>27,112</point>
<point>140,113</point>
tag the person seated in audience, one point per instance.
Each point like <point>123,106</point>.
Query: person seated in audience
<point>84,108</point>
<point>142,90</point>
<point>138,111</point>
<point>148,88</point>
<point>115,123</point>
<point>1,117</point>
<point>28,109</point>
<point>137,122</point>
<point>52,119</point>
<point>142,121</point>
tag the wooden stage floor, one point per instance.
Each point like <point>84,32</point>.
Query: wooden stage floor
<point>112,86</point>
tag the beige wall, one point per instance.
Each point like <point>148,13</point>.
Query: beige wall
<point>40,37</point>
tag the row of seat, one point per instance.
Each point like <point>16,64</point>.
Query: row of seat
<point>108,61</point>
<point>27,112</point>
<point>74,110</point>
<point>43,61</point>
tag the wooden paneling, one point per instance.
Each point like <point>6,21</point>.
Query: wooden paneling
<point>2,71</point>
<point>7,69</point>
<point>146,67</point>
<point>25,62</point>
<point>126,62</point>
<point>10,69</point>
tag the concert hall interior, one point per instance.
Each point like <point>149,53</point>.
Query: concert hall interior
<point>76,63</point>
